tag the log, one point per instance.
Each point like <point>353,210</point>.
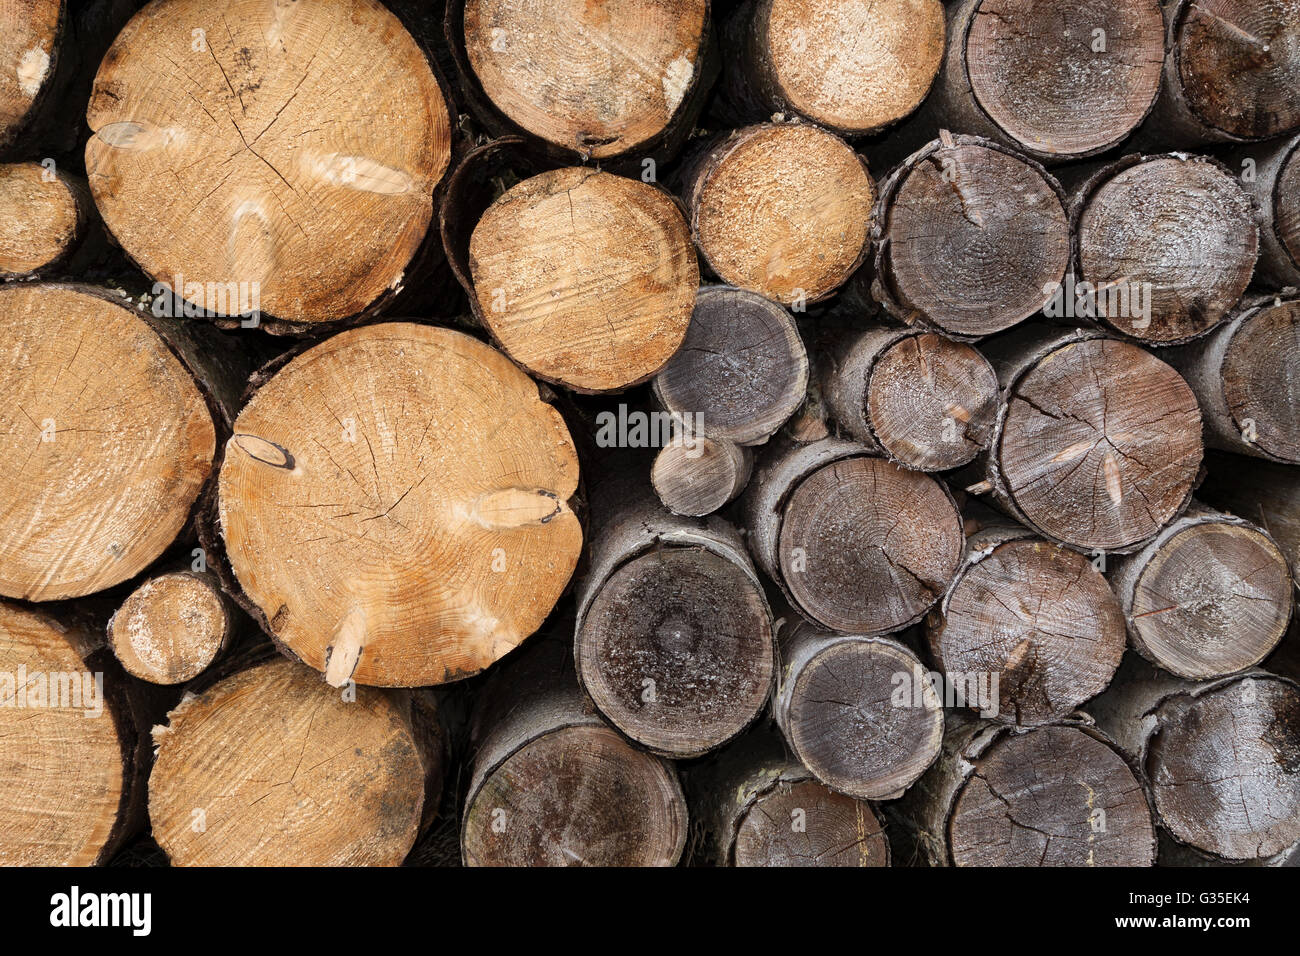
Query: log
<point>1262,492</point>
<point>673,634</point>
<point>1210,596</point>
<point>753,805</point>
<point>1038,618</point>
<point>1166,244</point>
<point>969,238</point>
<point>1220,757</point>
<point>585,278</point>
<point>1231,73</point>
<point>856,543</point>
<point>430,568</point>
<point>782,209</point>
<point>808,57</point>
<point>596,80</point>
<point>859,712</point>
<point>76,742</point>
<point>257,116</point>
<point>108,441</point>
<point>1050,796</point>
<point>1270,172</point>
<point>742,369</point>
<point>551,784</point>
<point>171,627</point>
<point>1043,80</point>
<point>1246,376</point>
<point>30,35</point>
<point>698,479</point>
<point>43,215</point>
<point>1098,444</point>
<point>923,400</point>
<point>270,767</point>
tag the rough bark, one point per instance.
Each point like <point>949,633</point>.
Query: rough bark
<point>1220,757</point>
<point>969,237</point>
<point>1270,172</point>
<point>859,712</point>
<point>1211,595</point>
<point>1261,492</point>
<point>782,209</point>
<point>1098,443</point>
<point>552,785</point>
<point>271,767</point>
<point>395,503</point>
<point>698,479</point>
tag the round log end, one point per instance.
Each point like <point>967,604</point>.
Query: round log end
<point>39,218</point>
<point>699,478</point>
<point>1261,377</point>
<point>805,823</point>
<point>28,36</point>
<point>170,628</point>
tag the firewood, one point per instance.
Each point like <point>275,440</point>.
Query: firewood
<point>551,784</point>
<point>1211,595</point>
<point>271,767</point>
<point>860,712</point>
<point>1220,756</point>
<point>853,67</point>
<point>698,479</point>
<point>673,636</point>
<point>430,568</point>
<point>311,211</point>
<point>753,805</point>
<point>924,400</point>
<point>742,369</point>
<point>1246,376</point>
<point>1099,443</point>
<point>30,33</point>
<point>1038,616</point>
<point>43,213</point>
<point>1261,492</point>
<point>108,441</point>
<point>1271,173</point>
<point>969,238</point>
<point>599,80</point>
<point>1166,244</point>
<point>1051,796</point>
<point>585,278</point>
<point>782,209</point>
<point>855,542</point>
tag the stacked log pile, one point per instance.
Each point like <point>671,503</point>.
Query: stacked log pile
<point>650,432</point>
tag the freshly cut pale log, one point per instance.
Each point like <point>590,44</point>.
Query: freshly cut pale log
<point>856,543</point>
<point>753,805</point>
<point>1167,245</point>
<point>585,278</point>
<point>1098,444</point>
<point>1231,73</point>
<point>1037,616</point>
<point>742,368</point>
<point>42,217</point>
<point>699,478</point>
<point>306,138</point>
<point>1051,796</point>
<point>170,628</point>
<point>673,637</point>
<point>270,767</point>
<point>860,712</point>
<point>854,67</point>
<point>926,401</point>
<point>1271,173</point>
<point>599,79</point>
<point>425,570</point>
<point>970,238</point>
<point>1246,376</point>
<point>552,785</point>
<point>1261,492</point>
<point>1222,758</point>
<point>30,31</point>
<point>76,743</point>
<point>107,441</point>
<point>782,209</point>
<point>1211,595</point>
<point>1041,77</point>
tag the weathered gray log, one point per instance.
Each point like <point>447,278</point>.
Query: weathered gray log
<point>1270,171</point>
<point>699,478</point>
<point>1262,492</point>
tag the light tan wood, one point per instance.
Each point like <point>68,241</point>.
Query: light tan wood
<point>28,33</point>
<point>396,501</point>
<point>107,442</point>
<point>171,627</point>
<point>40,217</point>
<point>300,144</point>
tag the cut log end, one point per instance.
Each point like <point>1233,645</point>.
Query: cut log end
<point>1261,379</point>
<point>171,627</point>
<point>28,37</point>
<point>40,218</point>
<point>807,824</point>
<point>699,479</point>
